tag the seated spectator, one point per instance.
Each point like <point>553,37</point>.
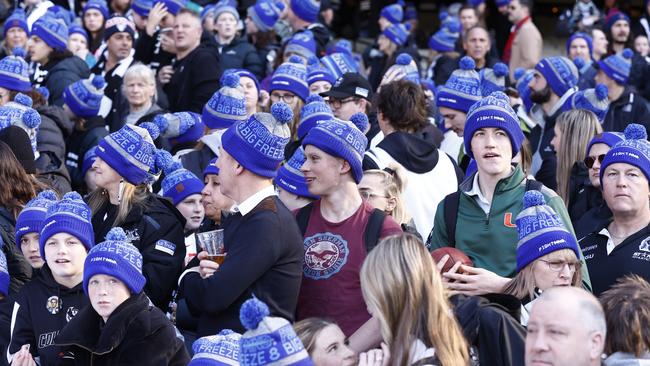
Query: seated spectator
<point>78,45</point>
<point>139,89</point>
<point>566,327</point>
<point>29,223</point>
<point>325,342</point>
<point>627,305</point>
<point>15,32</point>
<point>93,17</point>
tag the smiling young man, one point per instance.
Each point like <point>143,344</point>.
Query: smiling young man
<point>622,246</point>
<point>489,200</point>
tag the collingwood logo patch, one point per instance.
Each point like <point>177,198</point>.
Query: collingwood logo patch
<point>645,245</point>
<point>53,305</point>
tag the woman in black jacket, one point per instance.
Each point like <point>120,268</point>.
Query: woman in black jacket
<point>121,327</point>
<point>124,168</point>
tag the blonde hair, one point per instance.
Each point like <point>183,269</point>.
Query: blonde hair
<point>393,180</point>
<point>578,127</point>
<point>143,72</point>
<point>132,196</point>
<point>308,331</point>
<point>402,288</point>
<point>523,285</point>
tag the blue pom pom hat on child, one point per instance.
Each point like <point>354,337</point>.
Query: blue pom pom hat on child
<point>32,217</point>
<point>179,183</point>
<point>70,215</point>
<point>180,127</point>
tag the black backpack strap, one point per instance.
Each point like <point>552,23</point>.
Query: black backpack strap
<point>533,185</point>
<point>373,229</point>
<point>302,218</point>
<point>452,201</point>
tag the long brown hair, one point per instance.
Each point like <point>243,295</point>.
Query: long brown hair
<point>403,289</point>
<point>18,186</point>
<point>132,196</point>
<point>309,329</point>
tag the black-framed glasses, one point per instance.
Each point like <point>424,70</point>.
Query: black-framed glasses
<point>287,98</point>
<point>590,160</point>
<point>337,103</point>
<point>557,266</point>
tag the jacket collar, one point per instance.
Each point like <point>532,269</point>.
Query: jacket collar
<point>505,184</point>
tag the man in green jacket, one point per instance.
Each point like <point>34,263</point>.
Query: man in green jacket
<point>490,200</point>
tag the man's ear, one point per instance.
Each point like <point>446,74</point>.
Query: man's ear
<point>239,169</point>
<point>345,167</point>
<point>596,345</point>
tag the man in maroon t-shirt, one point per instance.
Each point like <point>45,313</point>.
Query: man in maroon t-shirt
<point>334,238</point>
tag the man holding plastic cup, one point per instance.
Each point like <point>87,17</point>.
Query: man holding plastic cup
<point>262,240</point>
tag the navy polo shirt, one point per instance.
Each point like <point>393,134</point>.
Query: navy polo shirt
<point>632,256</point>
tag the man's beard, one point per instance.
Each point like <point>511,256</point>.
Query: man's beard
<point>541,96</point>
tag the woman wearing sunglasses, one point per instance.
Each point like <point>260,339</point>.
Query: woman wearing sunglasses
<point>588,210</point>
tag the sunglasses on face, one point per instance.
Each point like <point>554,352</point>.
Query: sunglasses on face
<point>590,160</point>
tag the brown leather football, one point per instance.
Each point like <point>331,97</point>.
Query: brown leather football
<point>455,255</point>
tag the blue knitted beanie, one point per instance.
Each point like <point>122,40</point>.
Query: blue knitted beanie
<point>315,72</point>
<point>89,159</point>
<point>291,76</point>
<point>180,127</point>
<point>311,113</point>
<point>560,73</point>
<point>523,78</point>
<point>70,215</point>
<point>99,5</point>
<point>268,338</point>
<point>339,63</point>
<point>291,178</point>
<point>541,231</point>
<point>493,79</point>
<point>634,150</point>
<point>173,6</point>
<point>179,183</point>
<point>258,143</point>
<point>77,29</point>
<point>406,68</point>
<point>340,139</point>
<point>142,7</point>
<point>246,73</point>
<point>61,13</point>
<point>444,40</point>
<point>462,89</point>
<point>16,19</point>
<point>224,7</point>
<point>84,97</point>
<point>302,44</point>
<point>14,72</point>
<point>608,138</point>
<point>594,100</point>
<point>493,111</point>
<point>31,218</point>
<point>130,152</point>
<point>118,24</point>
<point>217,350</point>
<point>614,16</point>
<point>397,33</point>
<point>19,112</point>
<point>394,13</point>
<point>265,13</point>
<point>211,168</point>
<point>52,31</point>
<point>306,10</point>
<point>618,66</point>
<point>118,258</point>
<point>586,37</point>
<point>227,105</point>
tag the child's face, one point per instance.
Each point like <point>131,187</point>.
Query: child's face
<point>106,293</point>
<point>77,42</point>
<point>30,248</point>
<point>65,255</point>
<point>641,45</point>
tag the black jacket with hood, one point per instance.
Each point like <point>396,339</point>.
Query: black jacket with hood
<point>630,107</point>
<point>78,144</point>
<point>240,54</point>
<point>59,74</point>
<point>50,141</point>
<point>43,307</point>
<point>156,229</point>
<point>136,333</point>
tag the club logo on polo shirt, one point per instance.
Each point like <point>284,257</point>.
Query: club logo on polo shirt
<point>645,245</point>
<point>325,255</point>
<point>644,250</point>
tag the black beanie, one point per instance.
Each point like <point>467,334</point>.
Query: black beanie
<point>18,141</point>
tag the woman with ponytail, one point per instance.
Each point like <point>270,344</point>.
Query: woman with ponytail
<point>404,292</point>
<point>127,163</point>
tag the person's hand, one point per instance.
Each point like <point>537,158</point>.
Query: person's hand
<point>206,266</point>
<point>473,281</point>
<point>167,43</point>
<point>375,357</point>
<point>165,74</point>
<point>156,14</point>
<point>23,357</point>
<point>264,100</point>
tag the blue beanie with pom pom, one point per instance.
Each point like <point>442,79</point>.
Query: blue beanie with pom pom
<point>19,112</point>
<point>541,231</point>
<point>397,33</point>
<point>118,258</point>
<point>179,183</point>
<point>180,127</point>
<point>211,168</point>
<point>315,110</point>
<point>14,72</point>
<point>227,105</point>
<point>406,69</point>
<point>317,72</point>
<point>594,100</point>
<point>291,76</point>
<point>16,19</point>
<point>394,13</point>
<point>53,31</point>
<point>268,338</point>
<point>462,89</point>
<point>84,97</point>
<point>70,215</point>
<point>634,150</point>
<point>31,218</point>
<point>560,73</point>
<point>444,40</point>
<point>258,143</point>
<point>291,178</point>
<point>217,350</point>
<point>130,151</point>
<point>493,79</point>
<point>618,66</point>
<point>302,44</point>
<point>341,139</point>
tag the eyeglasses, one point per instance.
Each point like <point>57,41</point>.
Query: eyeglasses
<point>366,194</point>
<point>590,160</point>
<point>337,103</point>
<point>287,98</point>
<point>557,266</point>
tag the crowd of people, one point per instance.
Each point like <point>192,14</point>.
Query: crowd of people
<point>472,203</point>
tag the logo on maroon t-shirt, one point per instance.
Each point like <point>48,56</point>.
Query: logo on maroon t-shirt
<point>325,255</point>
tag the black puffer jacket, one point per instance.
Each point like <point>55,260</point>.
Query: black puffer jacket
<point>62,73</point>
<point>240,54</point>
<point>136,333</point>
<point>156,229</point>
<point>43,307</point>
<point>50,142</point>
<point>78,144</point>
